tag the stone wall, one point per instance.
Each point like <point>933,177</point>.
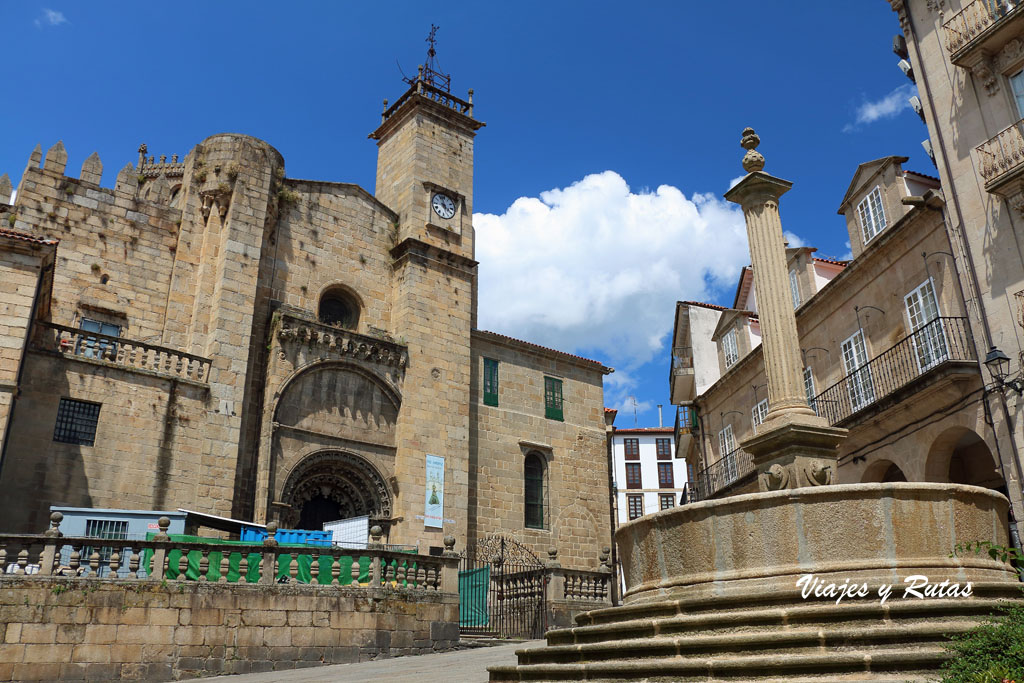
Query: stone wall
<point>147,453</point>
<point>576,512</point>
<point>74,628</point>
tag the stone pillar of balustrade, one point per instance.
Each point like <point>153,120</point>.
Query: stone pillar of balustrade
<point>48,559</point>
<point>450,567</point>
<point>793,447</point>
<point>555,588</point>
<point>268,567</point>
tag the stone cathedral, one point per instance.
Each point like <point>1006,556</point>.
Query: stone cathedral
<point>213,335</point>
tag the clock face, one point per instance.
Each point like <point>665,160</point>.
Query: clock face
<point>443,205</point>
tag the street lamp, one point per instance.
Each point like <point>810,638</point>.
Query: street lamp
<point>998,363</point>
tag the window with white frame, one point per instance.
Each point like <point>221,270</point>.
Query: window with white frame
<point>809,389</point>
<point>926,327</point>
<point>872,217</point>
<point>859,384</point>
<point>758,413</point>
<point>726,446</point>
<point>729,348</point>
<point>794,289</point>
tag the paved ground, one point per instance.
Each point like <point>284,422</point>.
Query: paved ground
<point>460,666</point>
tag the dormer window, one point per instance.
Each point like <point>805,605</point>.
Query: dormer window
<point>794,289</point>
<point>729,348</point>
<point>872,217</point>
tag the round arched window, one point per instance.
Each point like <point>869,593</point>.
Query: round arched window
<point>336,308</point>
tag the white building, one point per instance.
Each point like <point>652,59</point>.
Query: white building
<point>647,478</point>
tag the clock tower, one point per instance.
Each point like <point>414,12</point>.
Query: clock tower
<point>425,175</point>
<point>425,161</point>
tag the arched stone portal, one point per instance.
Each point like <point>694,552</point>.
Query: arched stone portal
<point>330,485</point>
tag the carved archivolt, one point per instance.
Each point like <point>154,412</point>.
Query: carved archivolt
<point>347,479</point>
<point>1010,56</point>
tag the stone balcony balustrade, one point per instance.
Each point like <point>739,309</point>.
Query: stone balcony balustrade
<point>423,88</point>
<point>124,353</point>
<point>296,330</point>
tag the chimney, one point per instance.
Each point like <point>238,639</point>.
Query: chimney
<point>660,423</point>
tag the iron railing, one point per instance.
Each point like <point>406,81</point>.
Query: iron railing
<point>126,353</point>
<point>720,475</point>
<point>974,19</point>
<point>1001,154</point>
<point>940,341</point>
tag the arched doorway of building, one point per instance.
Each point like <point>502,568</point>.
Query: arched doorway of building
<point>332,485</point>
<point>959,456</point>
<point>883,472</point>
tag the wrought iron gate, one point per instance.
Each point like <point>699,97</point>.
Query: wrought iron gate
<point>501,591</point>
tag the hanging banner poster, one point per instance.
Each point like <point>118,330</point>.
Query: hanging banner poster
<point>433,508</point>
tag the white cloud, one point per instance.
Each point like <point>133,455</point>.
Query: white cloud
<point>848,256</point>
<point>794,240</point>
<point>597,268</point>
<point>886,108</point>
<point>51,17</point>
<point>736,181</point>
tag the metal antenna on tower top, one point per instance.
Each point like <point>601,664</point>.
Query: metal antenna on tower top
<point>430,73</point>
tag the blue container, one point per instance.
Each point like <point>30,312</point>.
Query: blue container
<point>255,534</point>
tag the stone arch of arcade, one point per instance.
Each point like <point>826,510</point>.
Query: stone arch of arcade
<point>959,455</point>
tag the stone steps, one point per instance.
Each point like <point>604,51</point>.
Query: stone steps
<point>888,664</point>
<point>803,641</point>
<point>780,619</point>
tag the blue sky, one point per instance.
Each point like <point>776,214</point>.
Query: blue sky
<point>612,130</point>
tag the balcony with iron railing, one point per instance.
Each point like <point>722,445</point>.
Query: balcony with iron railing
<point>685,429</point>
<point>982,26</point>
<point>681,378</point>
<point>720,476</point>
<point>1001,158</point>
<point>941,346</point>
<point>128,354</point>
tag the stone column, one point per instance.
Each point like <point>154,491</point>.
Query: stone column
<point>794,447</point>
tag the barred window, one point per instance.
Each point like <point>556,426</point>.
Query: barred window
<point>76,422</point>
<point>105,528</point>
<point>664,449</point>
<point>632,447</point>
<point>636,506</point>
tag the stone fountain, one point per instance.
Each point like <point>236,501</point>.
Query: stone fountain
<point>805,580</point>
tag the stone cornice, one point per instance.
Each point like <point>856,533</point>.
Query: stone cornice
<point>414,247</point>
<point>295,329</point>
<point>756,186</point>
<point>412,100</point>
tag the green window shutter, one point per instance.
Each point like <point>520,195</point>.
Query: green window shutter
<point>552,398</point>
<point>490,382</point>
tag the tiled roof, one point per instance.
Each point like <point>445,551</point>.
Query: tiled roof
<point>542,348</point>
<point>13,234</point>
<point>701,303</point>
<point>924,175</point>
<point>832,261</point>
<point>610,410</point>
<point>645,430</point>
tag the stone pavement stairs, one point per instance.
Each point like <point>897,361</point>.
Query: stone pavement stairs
<point>785,640</point>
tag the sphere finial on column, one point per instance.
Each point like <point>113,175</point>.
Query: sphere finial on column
<point>752,160</point>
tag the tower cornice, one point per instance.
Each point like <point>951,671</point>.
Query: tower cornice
<point>450,108</point>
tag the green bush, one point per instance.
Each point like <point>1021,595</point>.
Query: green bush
<point>991,653</point>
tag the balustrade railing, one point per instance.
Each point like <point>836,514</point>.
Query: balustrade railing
<point>163,559</point>
<point>586,585</point>
<point>974,19</point>
<point>940,341</point>
<point>126,353</point>
<point>720,475</point>
<point>424,89</point>
<point>1002,153</point>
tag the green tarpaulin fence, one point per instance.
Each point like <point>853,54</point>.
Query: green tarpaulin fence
<point>473,587</point>
<point>252,575</point>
